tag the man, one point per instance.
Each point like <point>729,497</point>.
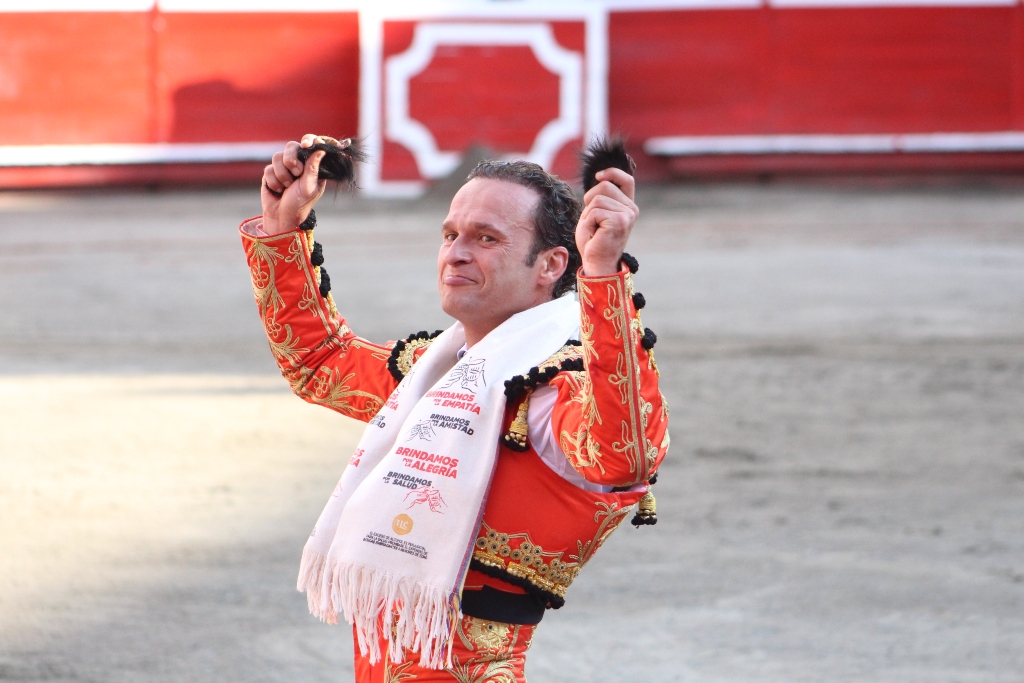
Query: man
<point>500,453</point>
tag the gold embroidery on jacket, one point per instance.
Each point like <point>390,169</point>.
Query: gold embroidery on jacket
<point>296,254</point>
<point>581,448</point>
<point>621,378</point>
<point>586,326</point>
<point>614,312</point>
<point>298,378</point>
<point>286,350</point>
<point>309,302</point>
<point>377,352</point>
<point>264,287</point>
<point>331,389</point>
<point>325,385</point>
<point>518,555</point>
<point>588,402</point>
<point>407,356</point>
<point>269,301</point>
<point>627,446</point>
<point>612,516</point>
<point>525,560</point>
<point>312,273</point>
<point>626,378</point>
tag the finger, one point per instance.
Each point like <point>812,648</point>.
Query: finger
<point>308,140</point>
<point>608,189</point>
<point>275,195</point>
<point>607,207</point>
<point>607,220</point>
<point>584,233</point>
<point>605,202</point>
<point>313,163</point>
<point>628,208</point>
<point>311,185</point>
<point>291,158</point>
<point>284,176</point>
<point>620,178</point>
<point>625,214</point>
<point>271,182</point>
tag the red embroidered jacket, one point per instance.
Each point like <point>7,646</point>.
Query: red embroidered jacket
<point>610,419</point>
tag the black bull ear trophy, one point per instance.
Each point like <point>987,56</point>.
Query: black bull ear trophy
<point>604,153</point>
<point>341,157</point>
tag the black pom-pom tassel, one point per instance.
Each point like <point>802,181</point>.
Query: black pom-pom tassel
<point>510,442</point>
<point>649,339</point>
<point>310,221</point>
<point>572,365</point>
<point>639,301</point>
<point>630,262</point>
<point>639,521</point>
<point>316,257</point>
<point>325,282</point>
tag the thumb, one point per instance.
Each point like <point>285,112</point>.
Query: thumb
<point>312,166</point>
<point>310,185</point>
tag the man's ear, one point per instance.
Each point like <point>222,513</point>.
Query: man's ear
<point>554,262</point>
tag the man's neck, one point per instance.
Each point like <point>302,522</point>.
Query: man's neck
<point>473,335</point>
<point>477,330</point>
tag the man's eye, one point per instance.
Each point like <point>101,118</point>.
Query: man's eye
<point>486,238</point>
<point>449,237</point>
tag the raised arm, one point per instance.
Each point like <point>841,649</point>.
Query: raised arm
<point>323,361</point>
<point>611,420</point>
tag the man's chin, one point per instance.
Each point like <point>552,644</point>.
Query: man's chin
<point>458,304</point>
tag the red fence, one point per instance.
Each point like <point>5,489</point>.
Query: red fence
<point>92,97</point>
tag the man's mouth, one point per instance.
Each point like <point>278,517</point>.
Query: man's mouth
<point>458,280</point>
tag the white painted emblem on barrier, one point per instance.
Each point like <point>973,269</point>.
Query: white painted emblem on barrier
<point>401,68</point>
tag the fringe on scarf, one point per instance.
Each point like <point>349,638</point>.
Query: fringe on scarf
<point>425,616</point>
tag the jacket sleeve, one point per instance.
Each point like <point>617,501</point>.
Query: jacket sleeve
<point>323,361</point>
<point>611,420</point>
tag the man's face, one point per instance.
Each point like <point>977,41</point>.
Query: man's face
<point>482,274</point>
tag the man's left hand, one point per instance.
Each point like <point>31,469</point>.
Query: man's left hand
<point>606,222</point>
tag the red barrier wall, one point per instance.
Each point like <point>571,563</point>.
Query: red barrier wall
<point>801,71</point>
<point>146,77</point>
<point>70,78</point>
<point>98,77</point>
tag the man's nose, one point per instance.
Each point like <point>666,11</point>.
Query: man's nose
<point>458,252</point>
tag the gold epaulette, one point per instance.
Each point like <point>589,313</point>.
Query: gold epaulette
<point>518,388</point>
<point>403,355</point>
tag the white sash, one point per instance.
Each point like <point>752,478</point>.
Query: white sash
<point>396,535</point>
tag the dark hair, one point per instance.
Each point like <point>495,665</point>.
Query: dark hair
<point>556,215</point>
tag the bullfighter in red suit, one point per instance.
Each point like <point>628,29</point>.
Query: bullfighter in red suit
<point>582,433</point>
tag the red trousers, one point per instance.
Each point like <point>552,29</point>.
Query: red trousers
<point>483,652</point>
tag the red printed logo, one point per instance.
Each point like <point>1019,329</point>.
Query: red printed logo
<point>429,495</point>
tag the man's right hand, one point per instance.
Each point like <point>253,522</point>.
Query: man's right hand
<point>297,184</point>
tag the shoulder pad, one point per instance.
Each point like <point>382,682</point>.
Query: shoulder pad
<point>403,354</point>
<point>566,359</point>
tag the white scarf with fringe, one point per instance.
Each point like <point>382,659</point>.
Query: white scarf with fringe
<point>391,548</point>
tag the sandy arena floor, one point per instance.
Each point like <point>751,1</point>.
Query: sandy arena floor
<point>844,498</point>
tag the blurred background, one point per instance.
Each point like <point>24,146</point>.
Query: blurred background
<point>831,247</point>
